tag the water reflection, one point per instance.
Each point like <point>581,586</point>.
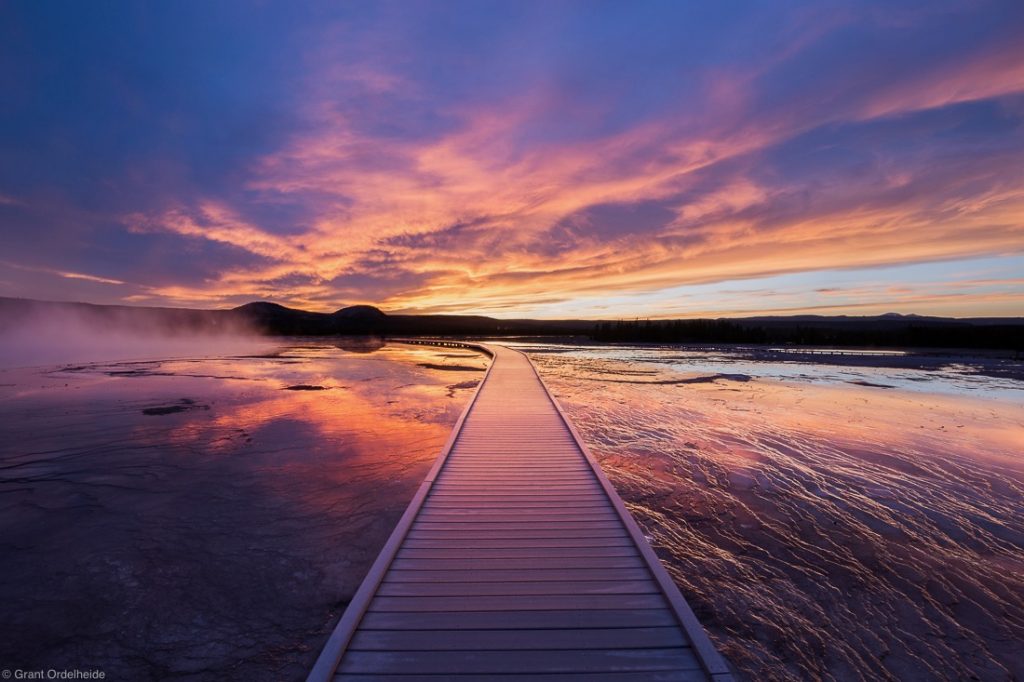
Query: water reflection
<point>192,517</point>
<point>821,528</point>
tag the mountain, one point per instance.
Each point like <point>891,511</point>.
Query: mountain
<point>276,319</point>
<point>360,312</point>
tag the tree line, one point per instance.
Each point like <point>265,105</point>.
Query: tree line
<point>939,334</point>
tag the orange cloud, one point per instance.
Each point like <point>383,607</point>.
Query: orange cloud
<point>475,220</point>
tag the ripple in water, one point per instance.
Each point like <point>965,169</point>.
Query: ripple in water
<point>824,522</point>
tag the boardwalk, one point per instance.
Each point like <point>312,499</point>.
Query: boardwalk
<point>516,557</point>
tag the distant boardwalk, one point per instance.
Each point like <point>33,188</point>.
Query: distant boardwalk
<point>517,558</point>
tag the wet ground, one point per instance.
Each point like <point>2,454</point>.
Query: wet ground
<point>207,518</point>
<point>848,518</point>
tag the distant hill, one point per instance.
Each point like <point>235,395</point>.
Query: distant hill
<point>277,320</point>
<point>889,330</point>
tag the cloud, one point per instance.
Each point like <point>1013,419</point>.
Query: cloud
<point>623,153</point>
<point>63,274</point>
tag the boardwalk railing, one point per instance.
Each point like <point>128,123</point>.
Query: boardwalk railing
<point>516,557</point>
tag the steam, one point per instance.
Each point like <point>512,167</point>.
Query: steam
<point>38,333</point>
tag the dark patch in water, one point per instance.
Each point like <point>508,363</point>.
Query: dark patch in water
<point>169,409</point>
<point>304,387</point>
<point>862,382</point>
<point>462,384</point>
<point>711,378</point>
<point>452,368</point>
<point>183,405</point>
<point>268,356</point>
<point>707,379</point>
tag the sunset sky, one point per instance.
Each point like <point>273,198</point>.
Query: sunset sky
<point>548,159</point>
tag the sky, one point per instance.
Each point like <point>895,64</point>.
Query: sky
<point>517,159</point>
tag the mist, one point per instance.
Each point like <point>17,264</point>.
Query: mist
<point>40,333</point>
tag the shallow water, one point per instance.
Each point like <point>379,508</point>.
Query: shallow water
<point>194,518</point>
<point>208,518</point>
<point>825,521</point>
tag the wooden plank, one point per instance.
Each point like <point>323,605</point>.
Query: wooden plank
<point>517,444</point>
<point>484,433</point>
<point>518,662</point>
<point>516,533</point>
<point>526,473</point>
<point>645,676</point>
<point>521,481</point>
<point>509,543</point>
<point>530,563</point>
<point>517,498</point>
<point>522,504</point>
<point>508,476</point>
<point>519,472</point>
<point>400,588</point>
<point>509,471</point>
<point>485,476</point>
<point>517,524</point>
<point>515,507</point>
<point>513,494</point>
<point>465,479</point>
<point>514,444</point>
<point>516,553</point>
<point>515,447</point>
<point>457,515</point>
<point>529,449</point>
<point>494,620</point>
<point>590,500</point>
<point>498,520</point>
<point>538,461</point>
<point>537,457</point>
<point>459,489</point>
<point>471,640</point>
<point>626,570</point>
<point>525,603</point>
<point>471,515</point>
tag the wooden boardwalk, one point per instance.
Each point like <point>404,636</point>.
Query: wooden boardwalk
<point>515,560</point>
